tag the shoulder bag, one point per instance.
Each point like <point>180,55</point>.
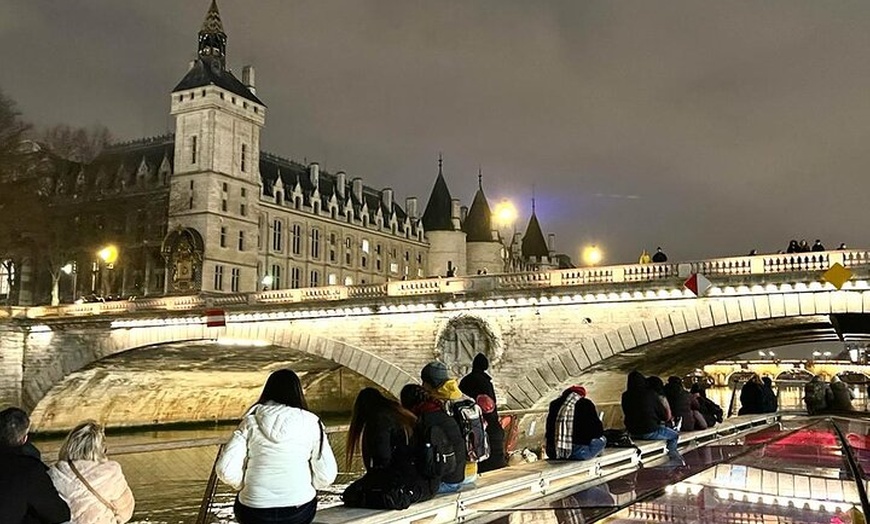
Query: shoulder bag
<point>87,484</point>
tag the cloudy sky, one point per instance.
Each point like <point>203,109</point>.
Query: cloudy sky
<point>709,128</point>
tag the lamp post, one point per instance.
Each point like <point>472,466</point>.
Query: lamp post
<point>109,255</point>
<point>267,282</point>
<point>70,269</point>
<point>592,255</point>
<point>505,216</point>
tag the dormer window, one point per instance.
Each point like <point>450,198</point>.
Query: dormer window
<point>279,198</point>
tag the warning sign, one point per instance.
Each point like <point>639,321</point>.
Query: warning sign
<point>698,284</point>
<point>215,318</point>
<point>837,275</point>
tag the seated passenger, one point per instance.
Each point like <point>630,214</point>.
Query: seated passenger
<point>382,430</point>
<point>768,396</point>
<point>656,385</point>
<point>711,411</point>
<point>573,429</point>
<point>817,395</point>
<point>684,406</point>
<point>645,415</point>
<point>26,492</point>
<point>433,423</point>
<point>92,485</point>
<point>751,397</point>
<point>841,397</point>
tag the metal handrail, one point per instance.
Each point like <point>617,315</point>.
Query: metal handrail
<point>210,489</point>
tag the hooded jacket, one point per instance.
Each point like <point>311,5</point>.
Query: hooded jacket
<point>106,478</point>
<point>278,457</point>
<point>448,391</point>
<point>476,383</point>
<point>643,411</point>
<point>27,494</point>
<point>432,413</point>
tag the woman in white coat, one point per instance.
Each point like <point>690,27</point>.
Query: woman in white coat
<point>278,457</point>
<point>93,486</point>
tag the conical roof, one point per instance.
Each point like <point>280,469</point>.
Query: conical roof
<point>439,211</point>
<point>478,222</point>
<point>534,244</point>
<point>212,23</point>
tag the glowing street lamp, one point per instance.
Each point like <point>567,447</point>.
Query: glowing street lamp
<point>505,213</point>
<point>267,282</point>
<point>592,255</point>
<point>108,254</point>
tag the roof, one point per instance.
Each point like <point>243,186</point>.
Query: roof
<point>201,75</point>
<point>534,244</point>
<point>212,22</point>
<point>478,222</point>
<point>439,211</point>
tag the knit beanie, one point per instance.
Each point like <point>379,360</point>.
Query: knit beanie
<point>480,362</point>
<point>434,374</point>
<point>580,390</point>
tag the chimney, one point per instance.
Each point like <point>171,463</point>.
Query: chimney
<point>356,187</point>
<point>454,213</point>
<point>387,200</point>
<point>463,213</point>
<point>411,207</point>
<point>314,174</point>
<point>340,183</point>
<point>248,78</point>
<point>551,244</point>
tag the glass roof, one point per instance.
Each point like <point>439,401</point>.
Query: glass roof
<point>795,472</point>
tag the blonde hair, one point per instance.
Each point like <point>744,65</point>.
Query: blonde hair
<point>84,442</point>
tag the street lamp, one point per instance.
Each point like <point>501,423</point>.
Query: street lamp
<point>109,255</point>
<point>505,216</point>
<point>267,282</point>
<point>69,269</point>
<point>592,255</point>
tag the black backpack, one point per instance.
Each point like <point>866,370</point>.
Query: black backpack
<point>469,416</point>
<point>436,456</point>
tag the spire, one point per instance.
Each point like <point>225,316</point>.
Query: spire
<point>534,244</point>
<point>439,210</point>
<point>478,222</point>
<point>212,39</point>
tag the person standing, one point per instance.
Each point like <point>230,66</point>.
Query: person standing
<point>92,485</point>
<point>659,256</point>
<point>573,429</point>
<point>644,257</point>
<point>645,414</point>
<point>817,245</point>
<point>477,383</point>
<point>27,495</point>
<point>278,457</point>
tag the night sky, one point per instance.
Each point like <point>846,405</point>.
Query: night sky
<point>708,128</point>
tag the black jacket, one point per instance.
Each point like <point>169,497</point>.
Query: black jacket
<point>27,495</point>
<point>586,424</point>
<point>385,442</point>
<point>433,414</point>
<point>478,382</point>
<point>680,401</point>
<point>751,399</point>
<point>643,411</point>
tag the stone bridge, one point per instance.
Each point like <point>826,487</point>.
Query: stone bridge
<point>541,331</point>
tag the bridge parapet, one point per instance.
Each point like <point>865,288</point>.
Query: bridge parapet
<point>759,265</point>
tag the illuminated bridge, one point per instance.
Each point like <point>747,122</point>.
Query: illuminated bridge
<point>157,360</point>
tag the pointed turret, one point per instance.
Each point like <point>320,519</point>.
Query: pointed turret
<point>534,244</point>
<point>439,211</point>
<point>478,223</point>
<point>212,39</point>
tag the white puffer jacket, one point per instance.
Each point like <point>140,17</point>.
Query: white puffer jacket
<point>106,478</point>
<point>277,457</point>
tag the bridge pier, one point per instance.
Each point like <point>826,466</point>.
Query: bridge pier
<point>12,343</point>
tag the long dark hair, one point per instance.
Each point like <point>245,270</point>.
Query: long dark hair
<point>283,387</point>
<point>369,405</point>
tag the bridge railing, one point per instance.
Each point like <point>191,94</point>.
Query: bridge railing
<point>575,277</point>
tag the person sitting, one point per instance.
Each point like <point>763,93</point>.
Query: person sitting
<point>92,485</point>
<point>659,256</point>
<point>711,411</point>
<point>27,494</point>
<point>751,401</point>
<point>841,397</point>
<point>817,395</point>
<point>768,396</point>
<point>278,456</point>
<point>432,419</point>
<point>656,385</point>
<point>383,431</point>
<point>645,415</point>
<point>573,429</point>
<point>478,383</point>
<point>684,406</point>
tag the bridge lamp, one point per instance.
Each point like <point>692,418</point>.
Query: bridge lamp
<point>67,268</point>
<point>267,281</point>
<point>505,213</point>
<point>592,255</point>
<point>817,354</point>
<point>108,254</point>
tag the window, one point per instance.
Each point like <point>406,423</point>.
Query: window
<point>347,257</point>
<point>224,205</point>
<point>7,274</point>
<point>191,185</point>
<point>378,249</point>
<point>348,281</point>
<point>394,267</point>
<point>241,240</point>
<point>407,256</point>
<point>218,277</point>
<point>244,156</point>
<point>277,241</point>
<point>315,279</point>
<point>332,279</point>
<point>295,278</point>
<point>297,239</point>
<point>276,276</point>
<point>225,187</point>
<point>190,203</point>
<point>244,192</point>
<point>364,262</point>
<point>193,149</point>
<point>365,245</point>
<point>279,198</point>
<point>315,243</point>
<point>419,258</point>
<point>234,279</point>
<point>347,242</point>
<point>223,236</point>
<point>243,209</point>
<point>378,264</point>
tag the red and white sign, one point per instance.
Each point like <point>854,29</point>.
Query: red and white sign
<point>215,318</point>
<point>698,284</point>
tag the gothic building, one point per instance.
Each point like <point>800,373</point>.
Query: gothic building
<point>206,210</point>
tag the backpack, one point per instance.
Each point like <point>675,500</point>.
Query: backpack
<point>469,416</point>
<point>618,438</point>
<point>436,454</point>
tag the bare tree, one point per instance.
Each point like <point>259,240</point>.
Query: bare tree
<point>77,144</point>
<point>13,151</point>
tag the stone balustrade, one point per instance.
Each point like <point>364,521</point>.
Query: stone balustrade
<point>575,277</point>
